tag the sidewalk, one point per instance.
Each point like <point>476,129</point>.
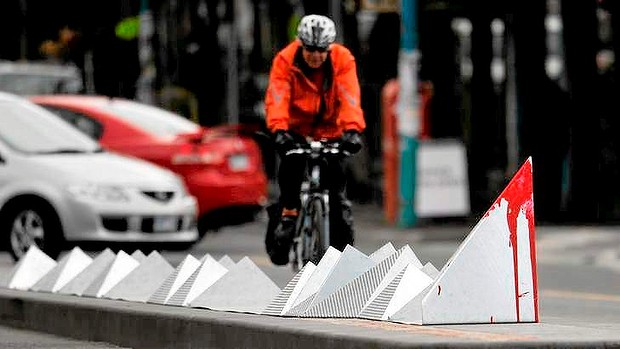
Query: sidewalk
<point>140,325</point>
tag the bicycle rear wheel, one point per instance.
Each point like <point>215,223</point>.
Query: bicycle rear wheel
<point>317,240</point>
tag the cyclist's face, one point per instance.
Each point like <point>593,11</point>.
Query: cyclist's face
<point>314,58</point>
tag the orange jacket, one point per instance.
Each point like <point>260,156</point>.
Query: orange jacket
<point>293,102</point>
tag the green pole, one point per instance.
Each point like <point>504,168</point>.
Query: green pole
<point>408,112</point>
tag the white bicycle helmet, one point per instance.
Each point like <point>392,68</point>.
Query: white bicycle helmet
<point>316,30</point>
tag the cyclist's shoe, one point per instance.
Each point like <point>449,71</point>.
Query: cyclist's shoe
<point>283,240</point>
<point>286,230</point>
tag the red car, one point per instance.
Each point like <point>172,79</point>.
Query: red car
<point>222,168</point>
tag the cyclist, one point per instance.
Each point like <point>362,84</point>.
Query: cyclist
<point>313,92</point>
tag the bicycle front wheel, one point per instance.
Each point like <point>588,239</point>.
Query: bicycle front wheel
<point>317,233</point>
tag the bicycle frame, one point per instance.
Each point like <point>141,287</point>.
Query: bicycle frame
<point>314,197</point>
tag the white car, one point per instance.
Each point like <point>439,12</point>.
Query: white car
<point>35,77</point>
<point>59,189</point>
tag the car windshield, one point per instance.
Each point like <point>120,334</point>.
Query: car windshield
<point>157,121</point>
<point>31,129</point>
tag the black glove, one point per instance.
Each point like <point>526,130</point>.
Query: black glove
<point>351,141</point>
<point>284,142</point>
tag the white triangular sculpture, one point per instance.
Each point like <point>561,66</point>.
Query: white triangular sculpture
<point>430,270</point>
<point>245,288</point>
<point>413,282</point>
<point>30,268</point>
<point>311,287</point>
<point>351,264</point>
<point>122,265</point>
<point>383,252</point>
<point>406,256</point>
<point>283,301</point>
<point>140,284</point>
<point>492,276</point>
<point>201,279</point>
<point>175,280</point>
<point>138,255</point>
<point>69,266</point>
<point>348,301</point>
<point>80,283</point>
<point>226,262</point>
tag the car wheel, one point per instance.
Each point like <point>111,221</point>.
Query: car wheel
<point>33,224</point>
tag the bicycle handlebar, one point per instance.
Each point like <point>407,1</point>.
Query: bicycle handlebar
<point>318,147</point>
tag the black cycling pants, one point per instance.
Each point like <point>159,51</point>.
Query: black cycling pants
<point>291,175</point>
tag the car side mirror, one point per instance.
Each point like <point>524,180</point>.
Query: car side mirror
<point>2,161</point>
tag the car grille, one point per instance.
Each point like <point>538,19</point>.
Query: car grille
<point>163,196</point>
<point>115,223</point>
<point>148,224</point>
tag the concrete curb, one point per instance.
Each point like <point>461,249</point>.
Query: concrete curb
<point>140,325</point>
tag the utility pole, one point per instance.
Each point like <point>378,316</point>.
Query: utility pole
<point>408,111</point>
<point>336,15</point>
<point>512,129</point>
<point>146,79</point>
<point>232,69</point>
<point>23,40</point>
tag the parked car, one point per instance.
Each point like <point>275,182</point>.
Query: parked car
<point>35,77</point>
<point>222,168</point>
<point>59,188</point>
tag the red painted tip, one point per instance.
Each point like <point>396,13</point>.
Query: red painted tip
<point>519,195</point>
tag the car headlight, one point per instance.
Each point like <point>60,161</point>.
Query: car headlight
<point>97,192</point>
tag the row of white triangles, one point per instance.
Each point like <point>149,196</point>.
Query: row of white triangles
<point>344,284</point>
<point>204,283</point>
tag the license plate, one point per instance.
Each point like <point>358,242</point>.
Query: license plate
<point>238,162</point>
<point>164,224</point>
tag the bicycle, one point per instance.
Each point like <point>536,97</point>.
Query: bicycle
<point>311,239</point>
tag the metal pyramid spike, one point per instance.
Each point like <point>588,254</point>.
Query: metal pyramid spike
<point>491,278</point>
<point>69,266</point>
<point>175,280</point>
<point>299,309</point>
<point>413,282</point>
<point>375,309</point>
<point>138,255</point>
<point>245,288</point>
<point>30,269</point>
<point>351,264</point>
<point>283,301</point>
<point>122,265</point>
<point>226,261</point>
<point>80,283</point>
<point>406,256</point>
<point>321,272</point>
<point>141,282</point>
<point>201,279</point>
<point>349,300</point>
<point>430,270</point>
<point>403,288</point>
<point>383,252</point>
<point>411,311</point>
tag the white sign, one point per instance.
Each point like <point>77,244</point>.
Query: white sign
<point>442,186</point>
